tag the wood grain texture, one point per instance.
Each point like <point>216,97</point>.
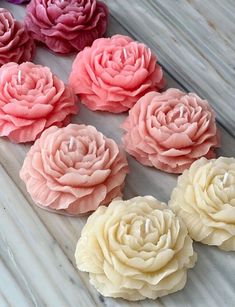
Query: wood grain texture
<point>37,248</point>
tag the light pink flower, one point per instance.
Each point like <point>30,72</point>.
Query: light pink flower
<point>114,73</point>
<point>32,99</point>
<point>73,170</point>
<point>15,42</point>
<point>66,26</point>
<point>170,130</point>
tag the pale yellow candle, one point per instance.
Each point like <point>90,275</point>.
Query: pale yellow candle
<point>205,200</point>
<point>135,249</point>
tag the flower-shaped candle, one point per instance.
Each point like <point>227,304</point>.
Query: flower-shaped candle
<point>170,130</point>
<point>32,99</point>
<point>15,43</point>
<point>66,26</point>
<point>204,199</point>
<point>135,249</point>
<point>114,73</point>
<point>73,170</point>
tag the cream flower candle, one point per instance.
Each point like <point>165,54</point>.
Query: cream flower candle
<point>170,130</point>
<point>32,99</point>
<point>66,26</point>
<point>135,249</point>
<point>73,170</point>
<point>114,73</point>
<point>204,198</point>
<point>15,43</point>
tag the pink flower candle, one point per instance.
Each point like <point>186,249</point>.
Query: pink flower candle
<point>15,43</point>
<point>114,73</point>
<point>170,130</point>
<point>32,99</point>
<point>73,170</point>
<point>66,26</point>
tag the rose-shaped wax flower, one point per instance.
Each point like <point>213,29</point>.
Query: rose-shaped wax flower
<point>204,199</point>
<point>66,25</point>
<point>73,170</point>
<point>18,1</point>
<point>32,99</point>
<point>170,130</point>
<point>135,249</point>
<point>114,73</point>
<point>15,43</point>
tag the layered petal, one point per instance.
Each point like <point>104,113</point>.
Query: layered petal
<point>16,45</point>
<point>32,99</point>
<point>170,130</point>
<point>73,170</point>
<point>114,73</point>
<point>135,249</point>
<point>66,26</point>
<point>205,200</point>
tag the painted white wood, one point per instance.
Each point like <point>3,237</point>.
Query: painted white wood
<point>37,247</point>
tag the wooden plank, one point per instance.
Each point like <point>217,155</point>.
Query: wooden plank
<point>34,259</point>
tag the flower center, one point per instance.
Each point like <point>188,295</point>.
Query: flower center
<point>147,226</point>
<point>71,143</point>
<point>223,187</point>
<point>19,77</point>
<point>225,179</point>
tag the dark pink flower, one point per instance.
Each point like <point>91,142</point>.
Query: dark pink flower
<point>66,26</point>
<point>15,42</point>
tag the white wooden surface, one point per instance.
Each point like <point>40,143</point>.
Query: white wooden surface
<point>195,41</point>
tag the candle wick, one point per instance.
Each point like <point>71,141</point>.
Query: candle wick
<point>147,225</point>
<point>125,53</point>
<point>225,178</point>
<point>71,143</point>
<point>181,111</point>
<point>19,76</point>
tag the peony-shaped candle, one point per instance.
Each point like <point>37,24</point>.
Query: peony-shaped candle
<point>66,25</point>
<point>114,73</point>
<point>32,99</point>
<point>170,130</point>
<point>15,43</point>
<point>135,249</point>
<point>73,170</point>
<point>204,199</point>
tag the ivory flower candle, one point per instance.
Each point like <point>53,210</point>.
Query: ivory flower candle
<point>73,170</point>
<point>114,73</point>
<point>15,43</point>
<point>170,130</point>
<point>135,249</point>
<point>204,198</point>
<point>32,99</point>
<point>66,26</point>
